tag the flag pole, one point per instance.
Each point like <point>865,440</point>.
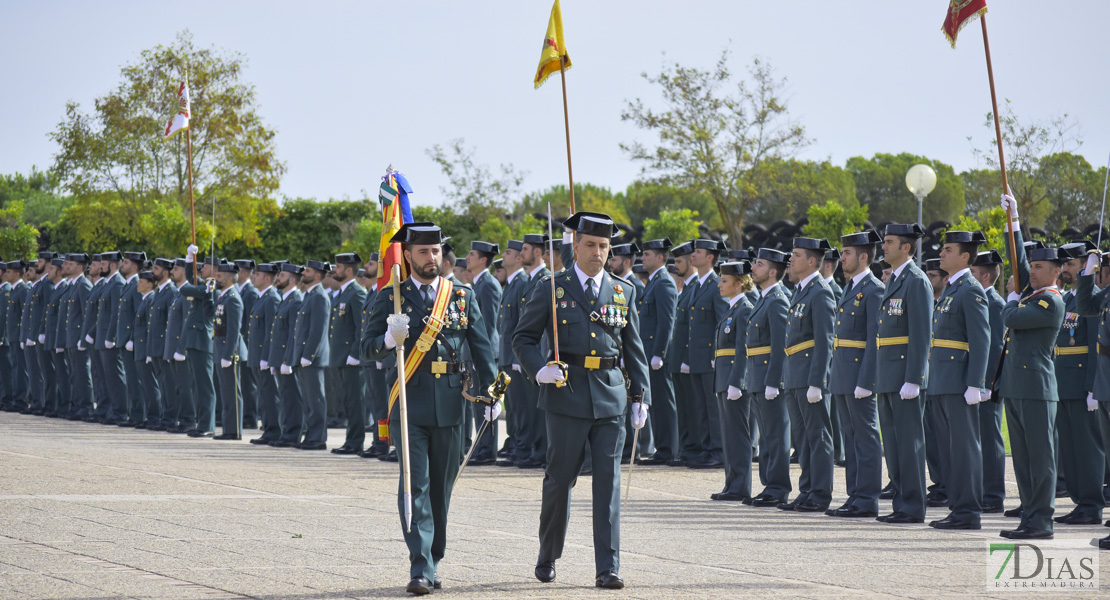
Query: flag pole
<point>566,124</point>
<point>1001,155</point>
<point>192,209</point>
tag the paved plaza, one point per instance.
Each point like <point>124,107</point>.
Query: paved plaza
<point>88,511</point>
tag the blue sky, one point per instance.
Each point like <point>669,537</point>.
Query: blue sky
<point>353,86</point>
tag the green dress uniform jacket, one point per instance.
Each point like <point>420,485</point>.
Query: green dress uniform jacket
<point>229,345</point>
<point>344,333</point>
<point>55,341</point>
<point>281,352</point>
<point>310,342</point>
<point>18,298</point>
<point>142,336</point>
<point>990,413</point>
<point>258,351</point>
<point>728,369</point>
<point>764,342</point>
<point>196,345</point>
<point>656,306</point>
<point>707,309</point>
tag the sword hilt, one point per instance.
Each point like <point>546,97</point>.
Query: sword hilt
<point>565,370</point>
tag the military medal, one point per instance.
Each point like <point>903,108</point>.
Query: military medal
<point>559,292</point>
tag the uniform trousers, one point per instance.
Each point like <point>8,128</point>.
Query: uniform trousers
<point>902,424</point>
<point>1082,455</point>
<point>115,383</point>
<point>434,454</point>
<point>1031,423</point>
<point>994,453</point>
<point>59,381</point>
<point>151,389</point>
<point>815,449</point>
<point>200,378</point>
<point>348,384</point>
<point>958,437</point>
<point>705,416</point>
<point>34,377</point>
<point>736,443</point>
<point>269,403</point>
<point>315,405</point>
<point>662,416</point>
<point>292,407</point>
<point>136,400</point>
<point>80,376</point>
<point>232,394</point>
<point>863,450</point>
<point>774,445</point>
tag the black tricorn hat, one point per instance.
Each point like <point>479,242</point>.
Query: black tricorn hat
<point>112,256</point>
<point>742,267</point>
<point>933,264</point>
<point>910,230</point>
<point>710,245</point>
<point>741,254</point>
<point>420,234</point>
<point>591,223</point>
<point>833,254</point>
<point>228,268</point>
<point>147,275</point>
<point>139,257</point>
<point>535,239</point>
<point>460,262</point>
<point>245,263</point>
<point>216,262</point>
<point>348,258</point>
<point>318,265</point>
<point>373,257</point>
<point>514,245</point>
<point>1077,249</point>
<point>57,261</point>
<point>662,244</point>
<point>777,256</point>
<point>165,263</point>
<point>47,255</point>
<point>498,264</point>
<point>639,268</point>
<point>630,249</point>
<point>1047,254</point>
<point>16,265</point>
<point>292,268</point>
<point>180,262</point>
<point>78,257</point>
<point>863,238</point>
<point>485,247</point>
<point>267,268</point>
<point>818,245</point>
<point>682,249</point>
<point>964,237</point>
<point>985,259</point>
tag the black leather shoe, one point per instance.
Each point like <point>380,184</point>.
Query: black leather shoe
<point>545,572</point>
<point>50,414</point>
<point>747,501</point>
<point>504,453</point>
<point>765,501</point>
<point>936,502</point>
<point>1013,513</point>
<point>530,463</point>
<point>1027,533</point>
<point>345,450</point>
<point>883,518</point>
<point>262,441</point>
<point>391,456</point>
<point>609,580</point>
<point>282,444</point>
<point>992,508</point>
<point>1078,519</point>
<point>196,433</point>
<point>157,427</point>
<point>899,518</point>
<point>786,505</point>
<point>227,436</point>
<point>320,446</point>
<point>372,452</point>
<point>731,497</point>
<point>437,583</point>
<point>1061,493</point>
<point>419,586</point>
<point>809,506</point>
<point>951,523</point>
<point>506,462</point>
<point>1104,543</point>
<point>126,424</point>
<point>829,512</point>
<point>841,463</point>
<point>140,425</point>
<point>887,493</point>
<point>676,462</point>
<point>481,461</point>
<point>654,460</point>
<point>707,463</point>
<point>851,512</point>
<point>715,496</point>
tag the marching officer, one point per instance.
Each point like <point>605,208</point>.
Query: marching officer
<point>805,373</point>
<point>310,353</point>
<point>344,332</point>
<point>902,364</point>
<point>706,309</point>
<point>732,403</point>
<point>958,363</point>
<point>656,306</point>
<point>595,330</point>
<point>487,293</point>
<point>853,376</point>
<point>764,345</point>
<point>434,382</point>
<point>987,269</point>
<point>282,334</point>
<point>228,348</point>
<point>258,352</point>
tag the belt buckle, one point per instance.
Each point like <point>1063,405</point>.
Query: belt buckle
<point>434,323</point>
<point>439,367</point>
<point>592,362</point>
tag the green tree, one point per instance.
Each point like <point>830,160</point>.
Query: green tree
<point>881,187</point>
<point>788,188</point>
<point>715,133</point>
<point>1073,188</point>
<point>303,229</point>
<point>121,173</point>
<point>18,240</point>
<point>587,197</point>
<point>982,188</point>
<point>1025,143</point>
<point>679,225</point>
<point>648,199</point>
<point>833,219</point>
<point>42,206</point>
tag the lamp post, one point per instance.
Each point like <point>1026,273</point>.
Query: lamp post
<point>920,179</point>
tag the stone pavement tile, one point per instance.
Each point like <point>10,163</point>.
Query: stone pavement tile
<point>22,587</point>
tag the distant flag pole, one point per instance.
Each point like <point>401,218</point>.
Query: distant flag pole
<point>554,55</point>
<point>393,196</point>
<point>179,121</point>
<point>960,13</point>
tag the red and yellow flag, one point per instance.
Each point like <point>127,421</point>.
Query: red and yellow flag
<point>554,50</point>
<point>960,13</point>
<point>180,120</point>
<point>393,196</point>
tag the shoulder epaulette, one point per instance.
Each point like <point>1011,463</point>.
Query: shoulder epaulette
<point>620,279</point>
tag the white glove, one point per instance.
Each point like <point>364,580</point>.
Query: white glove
<point>191,252</point>
<point>550,374</point>
<point>80,348</point>
<point>22,345</point>
<point>273,371</point>
<point>42,338</point>
<point>1092,404</point>
<point>1013,297</point>
<point>909,391</point>
<point>305,362</point>
<point>1010,202</point>
<point>263,365</point>
<point>352,361</point>
<point>984,395</point>
<point>89,340</point>
<point>568,236</point>
<point>492,412</point>
<point>684,368</point>
<point>971,395</point>
<point>378,364</point>
<point>1092,263</point>
<point>517,368</point>
<point>622,362</point>
<point>712,363</point>
<point>734,393</point>
<point>639,414</point>
<point>771,392</point>
<point>656,363</point>
<point>179,357</point>
<point>59,350</point>
<point>286,369</point>
<point>861,393</point>
<point>148,360</point>
<point>398,331</point>
<point>109,345</point>
<point>30,343</point>
<point>813,394</point>
<point>130,346</point>
<point>225,363</point>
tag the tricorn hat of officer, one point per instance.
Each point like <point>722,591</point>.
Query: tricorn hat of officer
<point>215,262</point>
<point>535,239</point>
<point>180,262</point>
<point>630,249</point>
<point>113,256</point>
<point>16,265</point>
<point>245,263</point>
<point>817,245</point>
<point>1077,249</point>
<point>1031,244</point>
<point>863,238</point>
<point>485,247</point>
<point>741,254</point>
<point>78,257</point>
<point>348,258</point>
<point>47,255</point>
<point>139,257</point>
<point>361,273</point>
<point>228,267</point>
<point>933,264</point>
<point>147,275</point>
<point>910,230</point>
<point>57,262</point>
<point>448,248</point>
<point>591,223</point>
<point>460,262</point>
<point>988,258</point>
<point>373,257</point>
<point>964,237</point>
<point>736,268</point>
<point>711,245</point>
<point>292,268</point>
<point>833,254</point>
<point>267,268</point>
<point>498,264</point>
<point>683,249</point>
<point>775,256</point>
<point>556,244</point>
<point>662,244</point>
<point>95,257</point>
<point>165,263</point>
<point>1047,254</point>
<point>318,265</point>
<point>639,268</point>
<point>420,234</point>
<point>514,245</point>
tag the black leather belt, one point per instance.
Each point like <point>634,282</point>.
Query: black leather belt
<point>590,362</point>
<point>1103,350</point>
<point>439,367</point>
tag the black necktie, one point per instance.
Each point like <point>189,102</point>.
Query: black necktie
<point>590,295</point>
<point>429,295</point>
<point>848,286</point>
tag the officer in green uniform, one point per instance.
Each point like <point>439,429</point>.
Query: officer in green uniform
<point>282,330</point>
<point>706,309</point>
<point>853,376</point>
<point>141,336</point>
<point>1080,451</point>
<point>677,355</point>
<point>166,315</point>
<point>656,306</point>
<point>101,396</point>
<point>33,334</point>
<point>228,348</point>
<point>196,343</point>
<point>958,363</point>
<point>111,358</point>
<point>595,330</point>
<point>765,342</point>
<point>344,332</point>
<point>936,456</point>
<point>310,353</point>
<point>77,355</point>
<point>18,296</point>
<point>248,381</point>
<point>487,293</point>
<point>729,365</point>
<point>828,268</point>
<point>902,365</point>
<point>435,401</point>
<point>122,333</point>
<point>54,342</point>
<point>986,270</point>
<point>258,352</point>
